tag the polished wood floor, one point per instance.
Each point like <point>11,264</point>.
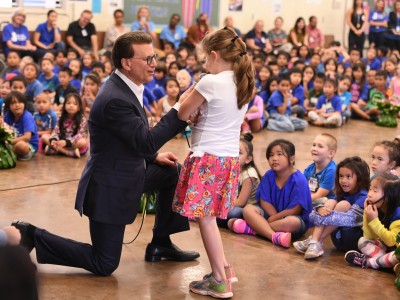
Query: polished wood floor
<point>42,192</point>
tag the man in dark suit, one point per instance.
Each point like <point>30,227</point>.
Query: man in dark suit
<point>123,164</point>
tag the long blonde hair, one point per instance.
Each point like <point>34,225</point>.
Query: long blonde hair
<point>233,49</point>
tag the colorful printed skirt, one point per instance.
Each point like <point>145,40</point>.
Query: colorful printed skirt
<point>207,186</point>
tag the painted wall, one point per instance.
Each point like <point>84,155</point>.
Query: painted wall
<point>329,12</point>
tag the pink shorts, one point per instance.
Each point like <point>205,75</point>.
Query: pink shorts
<point>207,186</point>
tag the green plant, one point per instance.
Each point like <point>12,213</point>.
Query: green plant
<point>7,156</point>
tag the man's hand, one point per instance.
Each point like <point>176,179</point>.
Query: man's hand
<point>166,159</point>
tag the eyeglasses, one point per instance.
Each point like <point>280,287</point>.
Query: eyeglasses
<point>148,59</point>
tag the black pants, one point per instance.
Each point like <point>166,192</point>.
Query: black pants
<point>103,256</point>
<point>393,44</point>
<point>356,42</point>
<point>348,239</point>
<point>378,38</point>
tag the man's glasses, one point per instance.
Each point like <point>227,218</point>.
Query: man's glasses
<point>148,59</point>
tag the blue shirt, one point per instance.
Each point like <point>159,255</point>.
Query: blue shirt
<point>136,26</point>
<point>175,37</point>
<point>46,35</point>
<point>24,124</point>
<point>325,177</point>
<point>260,42</point>
<point>46,121</point>
<point>330,105</point>
<point>375,64</point>
<point>356,198</point>
<point>17,35</point>
<point>377,16</point>
<point>76,83</point>
<point>49,84</point>
<point>298,92</point>
<point>294,192</point>
<point>33,89</point>
<point>345,99</point>
<point>275,101</point>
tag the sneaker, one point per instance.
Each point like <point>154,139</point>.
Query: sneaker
<point>283,239</point>
<point>356,258</point>
<point>74,153</point>
<point>229,272</point>
<point>210,287</point>
<point>302,246</point>
<point>314,250</point>
<point>240,226</point>
<point>49,150</point>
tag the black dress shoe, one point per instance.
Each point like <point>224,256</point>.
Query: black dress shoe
<point>156,253</point>
<point>27,231</point>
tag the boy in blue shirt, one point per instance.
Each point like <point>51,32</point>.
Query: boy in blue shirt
<point>33,87</point>
<point>298,109</point>
<point>329,107</point>
<point>321,173</point>
<point>345,96</point>
<point>371,61</point>
<point>48,79</point>
<point>45,118</point>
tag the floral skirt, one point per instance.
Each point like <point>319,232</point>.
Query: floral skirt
<point>207,186</point>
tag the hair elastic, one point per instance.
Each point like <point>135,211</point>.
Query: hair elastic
<point>234,39</point>
<point>242,53</point>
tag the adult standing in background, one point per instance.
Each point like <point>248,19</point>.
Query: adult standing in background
<point>197,31</point>
<point>316,39</point>
<point>173,32</point>
<point>393,35</point>
<point>257,39</point>
<point>228,22</point>
<point>278,36</point>
<point>123,164</point>
<point>115,30</point>
<point>298,34</point>
<point>378,24</point>
<point>144,24</point>
<point>47,36</point>
<point>16,36</point>
<point>357,20</point>
<point>82,35</point>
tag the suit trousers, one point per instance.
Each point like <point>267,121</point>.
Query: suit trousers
<point>103,256</point>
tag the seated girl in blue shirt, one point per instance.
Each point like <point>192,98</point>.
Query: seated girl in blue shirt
<point>283,200</point>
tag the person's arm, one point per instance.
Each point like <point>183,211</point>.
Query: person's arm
<point>320,193</point>
<point>268,208</point>
<point>322,43</point>
<point>268,46</point>
<point>387,236</point>
<point>282,109</point>
<point>366,23</point>
<point>36,40</point>
<point>294,211</point>
<point>57,33</point>
<point>95,46</point>
<point>251,44</point>
<point>245,192</point>
<point>191,101</point>
<point>160,108</point>
<point>348,20</point>
<point>26,137</point>
<point>293,37</point>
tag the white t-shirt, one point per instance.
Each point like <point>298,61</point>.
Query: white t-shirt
<point>217,130</point>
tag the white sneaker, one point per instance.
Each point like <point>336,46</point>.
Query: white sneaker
<point>301,246</point>
<point>314,250</point>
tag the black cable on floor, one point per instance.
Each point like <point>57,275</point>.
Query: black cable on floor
<point>37,185</point>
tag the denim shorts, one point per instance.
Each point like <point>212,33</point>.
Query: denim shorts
<point>296,234</point>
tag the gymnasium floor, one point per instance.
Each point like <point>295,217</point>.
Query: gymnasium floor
<point>42,192</point>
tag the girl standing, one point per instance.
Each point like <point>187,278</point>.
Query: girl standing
<point>378,21</point>
<point>357,20</point>
<point>283,199</point>
<point>69,137</point>
<point>208,181</point>
<point>340,217</point>
<point>381,225</point>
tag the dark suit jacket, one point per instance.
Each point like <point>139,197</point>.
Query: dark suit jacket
<point>121,144</point>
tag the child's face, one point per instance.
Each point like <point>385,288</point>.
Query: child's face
<point>244,157</point>
<point>380,161</point>
<point>168,49</point>
<point>13,59</point>
<point>99,72</point>
<point>264,74</point>
<point>273,86</point>
<point>257,63</point>
<point>71,106</point>
<point>172,89</point>
<point>344,85</point>
<point>315,61</point>
<point>282,61</point>
<point>320,151</point>
<point>173,70</point>
<point>49,55</point>
<point>347,180</point>
<point>191,61</point>
<point>371,54</point>
<point>46,66</point>
<point>30,72</point>
<point>284,86</point>
<point>91,86</point>
<point>295,79</point>
<point>303,52</point>
<point>42,103</point>
<point>278,160</point>
<point>354,56</point>
<point>108,68</point>
<point>358,74</point>
<point>64,78</point>
<point>17,108</point>
<point>75,67</point>
<point>275,70</point>
<point>61,60</point>
<point>183,53</point>
<point>318,84</point>
<point>18,86</point>
<point>371,77</point>
<point>159,75</point>
<point>87,60</point>
<point>183,80</point>
<point>340,69</point>
<point>380,81</point>
<point>330,66</point>
<point>348,71</point>
<point>169,59</point>
<point>71,55</point>
<point>5,89</point>
<point>308,74</point>
<point>375,194</point>
<point>329,89</point>
<point>390,67</point>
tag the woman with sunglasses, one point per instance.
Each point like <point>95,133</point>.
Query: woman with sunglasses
<point>381,225</point>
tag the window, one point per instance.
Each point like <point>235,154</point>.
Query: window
<point>38,3</point>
